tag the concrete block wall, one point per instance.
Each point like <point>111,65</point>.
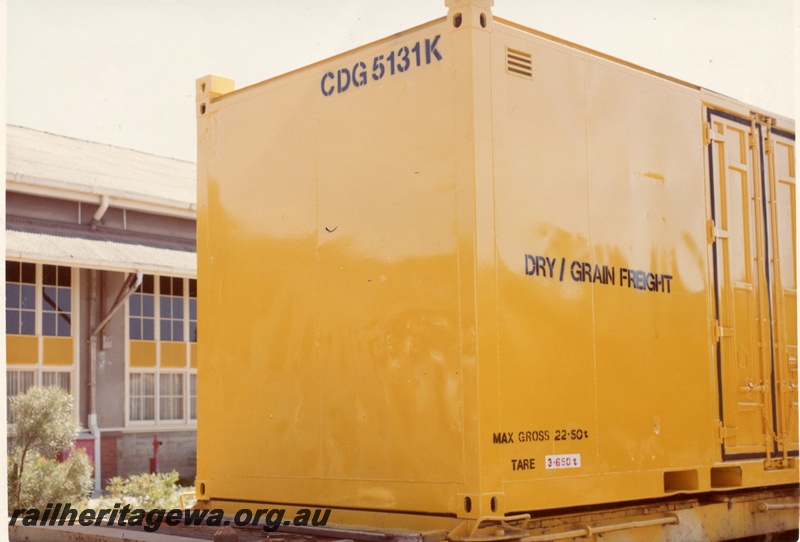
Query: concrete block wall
<point>178,451</point>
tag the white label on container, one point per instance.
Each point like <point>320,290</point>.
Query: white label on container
<point>562,461</point>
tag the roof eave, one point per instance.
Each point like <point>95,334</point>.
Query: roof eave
<point>25,184</point>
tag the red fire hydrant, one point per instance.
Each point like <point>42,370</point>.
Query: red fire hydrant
<point>154,459</point>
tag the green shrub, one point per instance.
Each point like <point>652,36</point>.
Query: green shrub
<point>147,491</point>
<point>44,426</point>
<point>49,481</point>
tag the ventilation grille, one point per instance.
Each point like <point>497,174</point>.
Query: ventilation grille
<point>519,63</point>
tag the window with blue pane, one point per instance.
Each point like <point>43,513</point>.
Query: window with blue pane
<point>142,311</point>
<point>20,298</point>
<point>192,310</point>
<point>56,301</point>
<point>171,309</point>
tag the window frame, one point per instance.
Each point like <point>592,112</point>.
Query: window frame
<point>36,302</point>
<point>40,368</point>
<point>130,397</point>
<point>187,372</point>
<point>55,311</point>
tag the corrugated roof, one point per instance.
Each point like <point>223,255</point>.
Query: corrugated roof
<point>56,162</point>
<point>94,254</point>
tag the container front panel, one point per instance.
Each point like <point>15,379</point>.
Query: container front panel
<point>330,367</point>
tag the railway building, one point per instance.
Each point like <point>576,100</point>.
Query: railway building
<point>101,294</point>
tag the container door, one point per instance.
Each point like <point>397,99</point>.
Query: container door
<point>780,188</point>
<point>755,336</point>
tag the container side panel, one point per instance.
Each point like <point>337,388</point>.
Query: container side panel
<point>648,218</point>
<point>545,337</point>
<point>602,277</point>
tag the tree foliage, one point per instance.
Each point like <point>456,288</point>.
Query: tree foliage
<point>44,426</point>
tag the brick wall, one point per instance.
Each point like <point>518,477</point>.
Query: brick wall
<point>108,456</point>
<point>178,451</point>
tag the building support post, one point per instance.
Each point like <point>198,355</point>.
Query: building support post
<point>94,429</point>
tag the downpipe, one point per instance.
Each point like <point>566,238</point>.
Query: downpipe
<point>94,429</point>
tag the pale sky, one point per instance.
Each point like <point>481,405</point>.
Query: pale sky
<point>122,71</point>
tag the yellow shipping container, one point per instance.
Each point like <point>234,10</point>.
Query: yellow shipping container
<point>474,270</point>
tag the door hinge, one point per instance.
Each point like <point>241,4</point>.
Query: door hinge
<point>769,145</point>
<point>725,432</point>
<point>752,140</point>
<point>719,331</point>
<point>709,134</point>
<point>713,233</point>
